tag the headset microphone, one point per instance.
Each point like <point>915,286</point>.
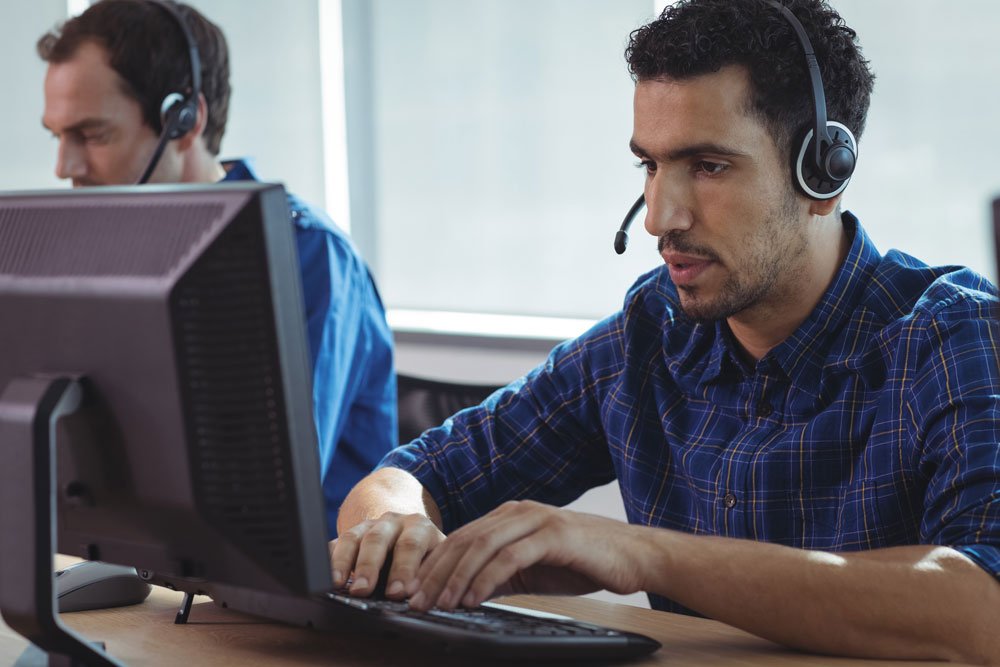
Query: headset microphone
<point>823,165</point>
<point>621,238</point>
<point>178,111</point>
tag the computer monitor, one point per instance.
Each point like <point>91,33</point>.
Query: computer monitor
<point>155,395</point>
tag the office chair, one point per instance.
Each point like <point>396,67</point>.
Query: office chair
<point>425,403</point>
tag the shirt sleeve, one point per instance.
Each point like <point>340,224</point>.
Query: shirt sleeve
<point>958,393</point>
<point>354,386</point>
<point>539,438</point>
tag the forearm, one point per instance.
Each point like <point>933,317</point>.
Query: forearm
<point>386,490</point>
<point>917,602</point>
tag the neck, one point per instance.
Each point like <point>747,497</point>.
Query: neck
<point>202,167</point>
<point>764,326</point>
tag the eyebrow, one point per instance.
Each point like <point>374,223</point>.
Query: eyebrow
<point>704,148</point>
<point>85,124</point>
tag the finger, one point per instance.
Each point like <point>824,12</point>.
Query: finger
<point>417,538</point>
<point>375,546</point>
<point>456,536</point>
<point>503,567</point>
<point>444,580</point>
<point>344,552</point>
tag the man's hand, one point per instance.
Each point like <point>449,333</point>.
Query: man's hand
<point>527,547</point>
<point>364,549</point>
<point>388,512</point>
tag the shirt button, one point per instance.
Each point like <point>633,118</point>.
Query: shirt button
<point>729,501</point>
<point>764,409</point>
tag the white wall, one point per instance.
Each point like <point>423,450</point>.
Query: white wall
<point>276,113</point>
<point>27,153</point>
<point>927,167</point>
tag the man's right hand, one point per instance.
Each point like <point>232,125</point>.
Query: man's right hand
<point>405,539</point>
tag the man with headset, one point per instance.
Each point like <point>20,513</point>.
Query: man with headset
<point>804,430</point>
<point>137,91</point>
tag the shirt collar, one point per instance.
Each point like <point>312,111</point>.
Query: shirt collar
<point>801,355</point>
<point>239,170</point>
<point>725,357</point>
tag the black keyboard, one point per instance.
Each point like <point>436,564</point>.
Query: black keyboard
<point>500,631</point>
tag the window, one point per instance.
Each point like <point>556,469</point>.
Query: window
<point>488,146</point>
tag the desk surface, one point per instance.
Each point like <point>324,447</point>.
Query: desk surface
<point>145,635</point>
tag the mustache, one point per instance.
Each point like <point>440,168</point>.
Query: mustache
<point>677,241</point>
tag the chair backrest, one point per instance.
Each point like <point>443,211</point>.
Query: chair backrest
<point>425,403</point>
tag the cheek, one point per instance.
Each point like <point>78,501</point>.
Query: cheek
<point>107,160</point>
<point>113,164</point>
<point>729,221</point>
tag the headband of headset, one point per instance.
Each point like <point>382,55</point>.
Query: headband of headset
<point>179,110</point>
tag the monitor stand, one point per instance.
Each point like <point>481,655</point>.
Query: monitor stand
<point>29,411</point>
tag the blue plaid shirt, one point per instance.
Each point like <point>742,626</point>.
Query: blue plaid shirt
<point>875,424</point>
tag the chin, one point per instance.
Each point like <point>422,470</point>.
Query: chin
<point>704,311</point>
<point>696,309</point>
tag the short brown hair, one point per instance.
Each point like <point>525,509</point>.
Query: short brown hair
<point>148,51</point>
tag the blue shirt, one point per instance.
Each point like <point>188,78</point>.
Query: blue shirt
<point>876,423</point>
<point>350,346</point>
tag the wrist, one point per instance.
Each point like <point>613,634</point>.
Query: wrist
<point>656,550</point>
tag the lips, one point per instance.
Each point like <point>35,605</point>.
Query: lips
<point>685,268</point>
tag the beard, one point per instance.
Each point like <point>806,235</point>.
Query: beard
<point>773,252</point>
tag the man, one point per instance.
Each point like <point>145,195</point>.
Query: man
<point>805,432</point>
<point>109,70</point>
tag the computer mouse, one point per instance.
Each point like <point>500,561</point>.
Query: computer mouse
<point>96,585</point>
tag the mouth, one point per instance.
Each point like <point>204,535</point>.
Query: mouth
<point>685,269</point>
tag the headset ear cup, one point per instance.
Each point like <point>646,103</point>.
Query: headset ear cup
<point>186,118</point>
<point>816,180</point>
<point>179,114</point>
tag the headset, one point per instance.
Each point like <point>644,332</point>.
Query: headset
<point>825,161</point>
<point>178,111</point>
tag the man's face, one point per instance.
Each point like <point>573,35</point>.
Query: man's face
<point>103,139</point>
<point>718,196</point>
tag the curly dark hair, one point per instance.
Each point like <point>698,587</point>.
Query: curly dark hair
<point>695,37</point>
<point>148,51</point>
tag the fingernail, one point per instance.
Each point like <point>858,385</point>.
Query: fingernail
<point>417,600</point>
<point>338,577</point>
<point>444,600</point>
<point>359,584</point>
<point>395,588</point>
<point>469,600</point>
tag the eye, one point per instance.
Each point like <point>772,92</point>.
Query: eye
<point>94,137</point>
<point>710,168</point>
<point>648,165</point>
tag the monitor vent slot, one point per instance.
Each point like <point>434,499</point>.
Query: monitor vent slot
<point>234,403</point>
<point>71,242</point>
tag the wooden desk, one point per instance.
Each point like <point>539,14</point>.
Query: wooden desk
<point>146,635</point>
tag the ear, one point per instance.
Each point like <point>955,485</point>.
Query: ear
<point>188,139</point>
<point>824,207</point>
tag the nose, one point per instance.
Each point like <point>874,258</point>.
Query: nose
<point>667,204</point>
<point>70,160</point>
